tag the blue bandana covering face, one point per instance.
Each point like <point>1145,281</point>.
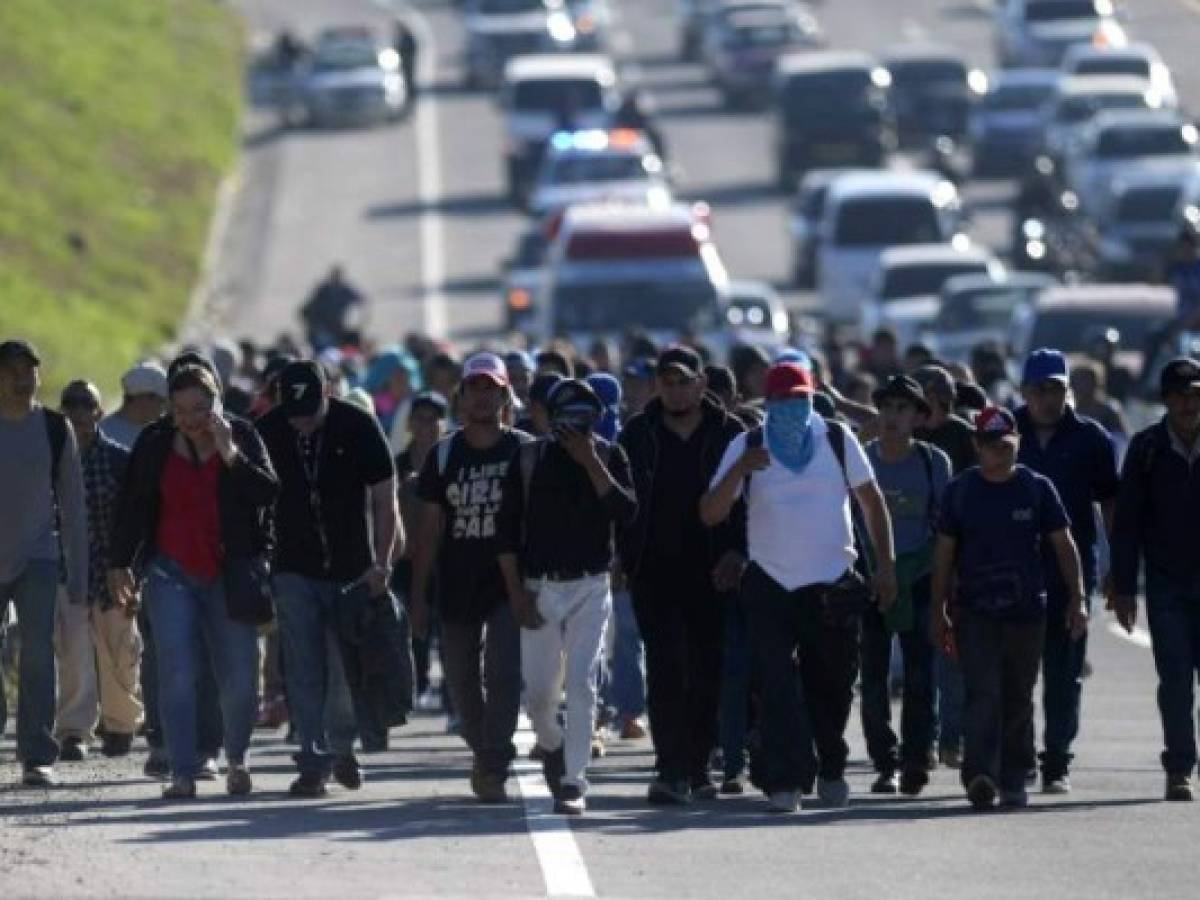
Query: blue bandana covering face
<point>789,432</point>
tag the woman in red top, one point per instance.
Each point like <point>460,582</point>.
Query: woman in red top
<point>198,493</point>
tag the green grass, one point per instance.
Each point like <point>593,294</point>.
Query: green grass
<point>118,119</point>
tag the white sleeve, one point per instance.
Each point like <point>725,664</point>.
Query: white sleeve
<point>732,454</point>
<point>858,467</point>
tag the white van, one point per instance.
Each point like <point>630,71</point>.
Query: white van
<point>867,212</point>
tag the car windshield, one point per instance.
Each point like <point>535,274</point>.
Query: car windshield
<point>927,278</point>
<point>346,57</point>
<point>1015,97</point>
<point>585,169</point>
<point>648,303</point>
<point>1068,330</point>
<point>560,97</point>
<point>1057,10</point>
<point>1073,110</point>
<point>984,309</point>
<point>840,95</point>
<point>924,73</point>
<point>1129,143</point>
<point>884,221</point>
<point>1156,204</point>
<point>503,7</point>
<point>777,34</point>
<point>1114,65</point>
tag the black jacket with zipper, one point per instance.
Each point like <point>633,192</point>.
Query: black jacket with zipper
<point>246,495</point>
<point>640,441</point>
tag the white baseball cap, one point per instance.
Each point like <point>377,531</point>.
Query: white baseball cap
<point>145,378</point>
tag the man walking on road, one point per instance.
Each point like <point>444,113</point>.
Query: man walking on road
<point>995,521</point>
<point>803,596</point>
<point>114,646</point>
<point>561,500</point>
<point>1156,521</point>
<point>1078,457</point>
<point>673,563</point>
<point>912,476</point>
<point>461,488</point>
<point>144,400</point>
<point>43,544</point>
<point>336,475</point>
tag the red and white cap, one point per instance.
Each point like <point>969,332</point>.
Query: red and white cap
<point>995,423</point>
<point>486,365</point>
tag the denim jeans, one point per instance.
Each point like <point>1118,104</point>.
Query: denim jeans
<point>916,716</point>
<point>34,595</point>
<point>1000,661</point>
<point>803,719</point>
<point>1062,687</point>
<point>483,671</point>
<point>209,728</point>
<point>180,608</point>
<point>627,668</point>
<point>1173,613</point>
<point>948,681</point>
<point>735,688</point>
<point>318,696</point>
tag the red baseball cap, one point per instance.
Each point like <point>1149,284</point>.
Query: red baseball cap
<point>486,365</point>
<point>994,423</point>
<point>786,380</point>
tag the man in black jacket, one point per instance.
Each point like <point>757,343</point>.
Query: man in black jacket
<point>675,567</point>
<point>560,504</point>
<point>1156,520</point>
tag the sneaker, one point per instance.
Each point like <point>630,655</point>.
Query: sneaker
<point>347,772</point>
<point>39,776</point>
<point>982,792</point>
<point>950,757</point>
<point>180,788</point>
<point>1017,798</point>
<point>1179,788</point>
<point>308,786</point>
<point>73,749</point>
<point>886,783</point>
<point>598,748</point>
<point>1056,784</point>
<point>733,786</point>
<point>554,766</point>
<point>115,744</point>
<point>489,787</point>
<point>783,801</point>
<point>669,793</point>
<point>833,792</point>
<point>237,780</point>
<point>569,801</point>
<point>158,764</point>
<point>633,730</point>
<point>703,788</point>
<point>209,770</point>
<point>913,781</point>
<point>1031,775</point>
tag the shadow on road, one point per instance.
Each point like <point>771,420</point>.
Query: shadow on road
<point>749,193</point>
<point>478,204</point>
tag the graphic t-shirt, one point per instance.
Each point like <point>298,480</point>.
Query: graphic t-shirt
<point>1000,528</point>
<point>469,490</point>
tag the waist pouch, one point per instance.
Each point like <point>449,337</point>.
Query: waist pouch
<point>994,590</point>
<point>912,577</point>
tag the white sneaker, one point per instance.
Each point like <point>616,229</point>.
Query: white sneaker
<point>783,801</point>
<point>834,792</point>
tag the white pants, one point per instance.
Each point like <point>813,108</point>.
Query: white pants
<point>78,697</point>
<point>567,646</point>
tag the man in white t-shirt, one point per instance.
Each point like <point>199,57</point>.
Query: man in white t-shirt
<point>797,474</point>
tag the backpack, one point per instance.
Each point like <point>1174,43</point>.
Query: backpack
<point>56,433</point>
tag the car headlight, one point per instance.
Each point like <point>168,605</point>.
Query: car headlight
<point>561,30</point>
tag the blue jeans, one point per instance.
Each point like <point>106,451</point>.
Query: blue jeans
<point>1062,687</point>
<point>735,688</point>
<point>627,671</point>
<point>318,696</point>
<point>1173,613</point>
<point>34,594</point>
<point>950,699</point>
<point>209,730</point>
<point>181,608</point>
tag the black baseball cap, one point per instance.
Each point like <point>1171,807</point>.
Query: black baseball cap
<point>301,389</point>
<point>11,351</point>
<point>902,387</point>
<point>573,403</point>
<point>1179,376</point>
<point>683,360</point>
<point>431,400</point>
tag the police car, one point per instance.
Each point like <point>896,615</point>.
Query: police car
<point>598,165</point>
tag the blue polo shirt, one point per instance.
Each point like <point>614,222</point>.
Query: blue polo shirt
<point>1081,462</point>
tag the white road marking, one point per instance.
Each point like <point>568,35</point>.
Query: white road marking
<point>429,173</point>
<point>563,868</point>
<point>1140,636</point>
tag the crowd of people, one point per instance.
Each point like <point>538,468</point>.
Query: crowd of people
<point>257,537</point>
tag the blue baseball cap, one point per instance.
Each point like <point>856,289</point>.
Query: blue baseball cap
<point>1045,365</point>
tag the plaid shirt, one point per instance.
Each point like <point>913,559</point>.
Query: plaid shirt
<point>103,469</point>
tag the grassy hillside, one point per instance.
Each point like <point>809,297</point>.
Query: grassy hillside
<point>118,119</point>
